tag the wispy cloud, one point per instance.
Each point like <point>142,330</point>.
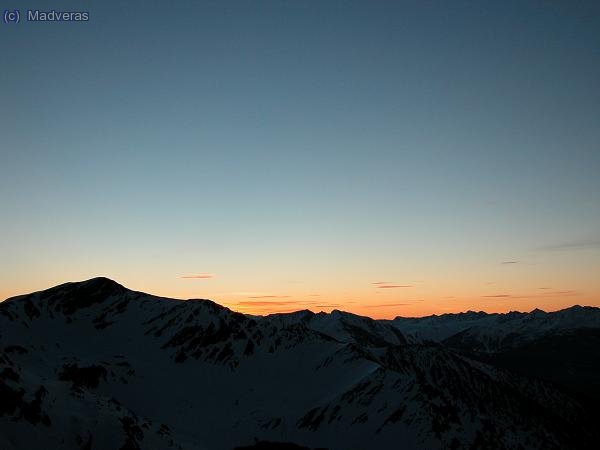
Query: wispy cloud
<point>394,286</point>
<point>510,262</point>
<point>280,306</point>
<point>280,311</point>
<point>266,303</point>
<point>386,305</point>
<point>269,296</point>
<point>389,285</point>
<point>561,294</point>
<point>242,294</point>
<point>310,303</point>
<point>568,293</point>
<point>581,244</point>
<point>198,276</point>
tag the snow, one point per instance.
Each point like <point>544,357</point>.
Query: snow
<point>335,380</point>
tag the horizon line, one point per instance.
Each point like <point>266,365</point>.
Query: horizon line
<point>335,309</point>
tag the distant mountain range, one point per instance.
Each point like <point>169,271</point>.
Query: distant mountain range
<point>562,347</point>
<point>93,365</point>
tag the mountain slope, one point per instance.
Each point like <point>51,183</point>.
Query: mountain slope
<point>93,365</point>
<point>562,347</point>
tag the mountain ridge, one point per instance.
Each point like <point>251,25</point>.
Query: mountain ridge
<point>108,283</point>
<point>95,365</point>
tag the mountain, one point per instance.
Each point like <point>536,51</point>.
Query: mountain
<point>93,365</point>
<point>344,327</point>
<point>492,332</point>
<point>561,347</point>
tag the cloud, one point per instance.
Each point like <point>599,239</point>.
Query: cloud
<point>568,293</point>
<point>385,305</point>
<point>389,285</point>
<point>560,294</point>
<point>279,311</point>
<point>394,286</point>
<point>284,302</point>
<point>269,296</point>
<point>241,294</point>
<point>265,303</point>
<point>278,307</point>
<point>510,262</point>
<point>581,244</point>
<point>199,276</point>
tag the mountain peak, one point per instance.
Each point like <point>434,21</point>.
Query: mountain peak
<point>70,297</point>
<point>576,308</point>
<point>101,282</point>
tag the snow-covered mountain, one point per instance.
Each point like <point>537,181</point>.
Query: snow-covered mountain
<point>343,326</point>
<point>93,365</point>
<point>493,332</point>
<point>561,347</point>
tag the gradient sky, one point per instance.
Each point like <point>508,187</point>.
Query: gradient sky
<point>385,158</point>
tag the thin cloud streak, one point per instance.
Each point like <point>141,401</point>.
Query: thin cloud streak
<point>266,303</point>
<point>582,244</point>
<point>386,305</point>
<point>542,295</point>
<point>312,304</point>
<point>389,285</point>
<point>200,276</point>
<point>283,311</point>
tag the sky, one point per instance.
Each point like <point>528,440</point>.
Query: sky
<point>383,158</point>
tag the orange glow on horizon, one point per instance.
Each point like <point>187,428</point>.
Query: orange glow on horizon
<point>500,303</point>
<point>409,297</point>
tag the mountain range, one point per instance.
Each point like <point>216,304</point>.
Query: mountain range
<point>94,365</point>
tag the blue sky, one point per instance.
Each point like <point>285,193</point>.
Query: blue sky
<point>292,147</point>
